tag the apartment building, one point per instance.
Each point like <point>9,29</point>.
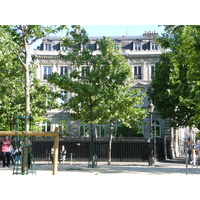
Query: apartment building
<point>141,53</point>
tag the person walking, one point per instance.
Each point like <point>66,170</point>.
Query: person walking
<point>63,153</point>
<point>189,153</point>
<point>18,154</point>
<point>194,156</point>
<point>12,154</point>
<point>29,154</point>
<point>52,154</point>
<point>6,143</point>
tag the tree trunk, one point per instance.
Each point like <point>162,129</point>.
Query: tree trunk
<point>92,145</point>
<point>110,146</point>
<point>27,113</point>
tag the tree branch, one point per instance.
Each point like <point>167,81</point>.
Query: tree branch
<point>24,65</point>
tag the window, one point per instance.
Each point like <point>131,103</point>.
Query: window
<point>84,130</point>
<point>63,127</point>
<point>48,47</point>
<point>97,46</point>
<point>100,131</point>
<point>85,46</point>
<point>47,72</point>
<point>153,46</point>
<point>63,99</point>
<point>64,48</point>
<point>46,125</point>
<point>137,46</point>
<point>138,72</point>
<point>116,46</point>
<point>152,71</point>
<point>114,126</point>
<point>85,71</point>
<point>156,128</point>
<point>63,70</point>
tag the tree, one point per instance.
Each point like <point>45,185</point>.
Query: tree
<point>12,96</point>
<point>100,83</point>
<point>83,81</point>
<point>176,84</point>
<point>16,40</point>
<point>119,100</point>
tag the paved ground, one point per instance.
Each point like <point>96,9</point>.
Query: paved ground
<point>169,167</point>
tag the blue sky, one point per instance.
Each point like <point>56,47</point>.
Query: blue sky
<point>119,30</point>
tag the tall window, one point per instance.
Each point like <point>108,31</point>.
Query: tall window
<point>84,130</point>
<point>46,125</point>
<point>156,128</point>
<point>63,70</point>
<point>138,72</point>
<point>114,126</point>
<point>47,72</point>
<point>152,71</point>
<point>85,71</point>
<point>100,130</point>
<point>48,47</point>
<point>64,98</point>
<point>63,127</point>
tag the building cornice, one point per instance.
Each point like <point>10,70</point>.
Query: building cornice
<point>143,56</point>
<point>128,56</point>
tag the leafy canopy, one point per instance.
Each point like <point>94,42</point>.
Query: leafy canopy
<point>100,81</point>
<point>175,89</point>
<point>14,50</point>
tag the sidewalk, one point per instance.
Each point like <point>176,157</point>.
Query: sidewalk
<point>175,166</point>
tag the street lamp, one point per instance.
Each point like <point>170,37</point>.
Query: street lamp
<point>151,109</point>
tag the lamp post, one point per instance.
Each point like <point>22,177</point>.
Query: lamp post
<point>151,109</point>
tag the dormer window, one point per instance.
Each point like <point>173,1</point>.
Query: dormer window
<point>153,46</point>
<point>64,48</point>
<point>97,46</point>
<point>116,46</point>
<point>137,46</point>
<point>48,47</point>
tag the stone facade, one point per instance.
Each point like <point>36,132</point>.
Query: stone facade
<point>141,53</point>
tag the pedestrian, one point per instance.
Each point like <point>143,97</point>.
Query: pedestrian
<point>63,153</point>
<point>12,154</point>
<point>29,154</point>
<point>189,153</point>
<point>193,156</point>
<point>18,154</point>
<point>52,154</point>
<point>6,143</point>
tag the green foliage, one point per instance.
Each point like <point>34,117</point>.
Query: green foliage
<point>14,44</point>
<point>134,131</point>
<point>101,82</point>
<point>176,84</point>
<point>198,136</point>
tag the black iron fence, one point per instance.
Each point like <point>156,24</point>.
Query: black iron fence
<point>123,149</point>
